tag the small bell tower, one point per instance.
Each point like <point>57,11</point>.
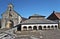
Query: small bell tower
<point>10,7</point>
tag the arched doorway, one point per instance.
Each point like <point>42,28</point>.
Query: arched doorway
<point>29,28</point>
<point>45,27</point>
<point>9,24</point>
<point>19,27</point>
<point>40,27</point>
<point>52,26</point>
<point>49,27</point>
<point>35,28</point>
<point>55,26</point>
<point>24,28</point>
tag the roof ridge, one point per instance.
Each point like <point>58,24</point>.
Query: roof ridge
<point>57,12</point>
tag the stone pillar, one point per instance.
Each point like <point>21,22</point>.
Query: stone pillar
<point>3,22</point>
<point>54,27</point>
<point>32,27</point>
<point>27,28</point>
<point>21,28</point>
<point>50,27</point>
<point>57,27</point>
<point>42,27</point>
<point>46,27</point>
<point>37,28</point>
<point>59,24</point>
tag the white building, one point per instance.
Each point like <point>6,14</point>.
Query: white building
<point>38,22</point>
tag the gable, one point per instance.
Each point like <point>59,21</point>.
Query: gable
<point>11,13</point>
<point>52,17</point>
<point>58,15</point>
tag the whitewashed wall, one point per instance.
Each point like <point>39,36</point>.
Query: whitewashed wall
<point>39,25</point>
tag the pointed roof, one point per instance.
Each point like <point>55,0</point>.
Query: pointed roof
<point>10,7</point>
<point>54,16</point>
<point>57,14</point>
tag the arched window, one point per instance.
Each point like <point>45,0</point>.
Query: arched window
<point>52,26</point>
<point>34,27</point>
<point>55,26</point>
<point>40,27</point>
<point>44,26</point>
<point>29,28</point>
<point>48,26</point>
<point>25,28</point>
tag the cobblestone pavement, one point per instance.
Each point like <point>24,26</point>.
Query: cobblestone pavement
<point>41,34</point>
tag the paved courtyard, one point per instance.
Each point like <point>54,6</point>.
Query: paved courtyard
<point>42,34</point>
<point>38,34</point>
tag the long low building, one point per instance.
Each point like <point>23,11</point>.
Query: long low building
<point>10,18</point>
<point>38,22</point>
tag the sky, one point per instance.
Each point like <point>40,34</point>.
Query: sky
<point>27,8</point>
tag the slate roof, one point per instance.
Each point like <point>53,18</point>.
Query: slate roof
<point>23,19</point>
<point>37,15</point>
<point>37,20</point>
<point>40,21</point>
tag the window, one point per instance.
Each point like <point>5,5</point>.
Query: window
<point>25,28</point>
<point>35,28</point>
<point>44,26</point>
<point>29,27</point>
<point>52,26</point>
<point>48,26</point>
<point>55,26</point>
